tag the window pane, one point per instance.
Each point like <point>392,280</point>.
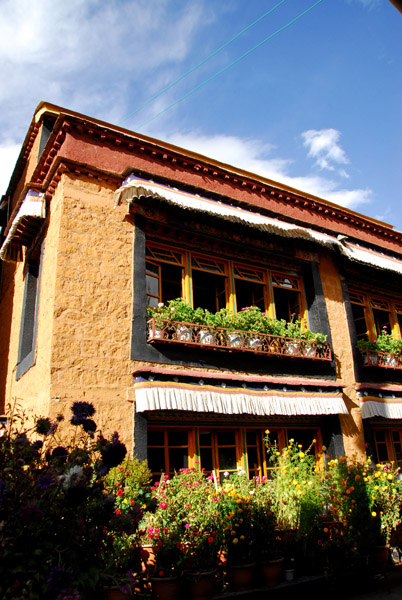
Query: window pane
<point>205,438</point>
<point>178,459</point>
<point>303,437</point>
<point>155,438</point>
<point>208,290</point>
<point>226,438</point>
<point>249,294</point>
<point>206,459</point>
<point>380,436</point>
<point>178,438</point>
<point>382,453</point>
<point>171,282</point>
<point>152,285</point>
<point>227,459</point>
<point>287,303</point>
<point>360,321</point>
<point>156,460</point>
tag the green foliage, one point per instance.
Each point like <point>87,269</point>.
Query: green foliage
<point>53,505</point>
<point>249,318</point>
<point>385,342</point>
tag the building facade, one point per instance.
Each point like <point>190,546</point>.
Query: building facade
<point>100,222</point>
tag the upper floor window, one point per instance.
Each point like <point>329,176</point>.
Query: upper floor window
<point>214,283</point>
<point>372,313</point>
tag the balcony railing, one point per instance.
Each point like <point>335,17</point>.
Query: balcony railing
<point>220,338</point>
<point>376,358</point>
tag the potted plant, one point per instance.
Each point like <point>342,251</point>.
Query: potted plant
<point>52,481</point>
<point>386,349</point>
<point>235,507</point>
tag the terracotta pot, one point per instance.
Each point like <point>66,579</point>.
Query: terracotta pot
<point>201,586</point>
<point>380,556</point>
<point>272,571</point>
<point>241,577</point>
<point>147,557</point>
<point>114,593</point>
<point>165,588</point>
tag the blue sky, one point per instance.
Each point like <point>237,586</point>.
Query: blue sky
<point>317,106</point>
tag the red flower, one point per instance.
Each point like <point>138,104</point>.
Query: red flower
<point>210,540</point>
<point>118,511</point>
<point>120,492</point>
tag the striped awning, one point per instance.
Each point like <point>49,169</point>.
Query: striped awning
<point>135,189</point>
<point>370,257</point>
<point>375,404</point>
<point>230,399</point>
<point>25,224</point>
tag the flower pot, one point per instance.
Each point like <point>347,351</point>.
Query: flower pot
<point>147,558</point>
<point>114,593</point>
<point>201,585</point>
<point>241,577</point>
<point>380,557</point>
<point>206,337</point>
<point>292,348</point>
<point>155,333</point>
<point>272,571</point>
<point>309,351</point>
<point>289,574</point>
<point>165,588</point>
<point>390,360</point>
<point>254,343</point>
<point>234,340</point>
<point>184,334</point>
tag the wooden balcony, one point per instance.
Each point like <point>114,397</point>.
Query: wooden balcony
<point>376,358</point>
<point>161,331</point>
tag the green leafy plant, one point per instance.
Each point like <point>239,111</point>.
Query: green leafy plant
<point>385,342</point>
<point>54,507</point>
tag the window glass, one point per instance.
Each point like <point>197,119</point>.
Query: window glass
<point>209,290</point>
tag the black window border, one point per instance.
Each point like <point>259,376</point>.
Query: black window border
<point>202,358</point>
<point>29,313</point>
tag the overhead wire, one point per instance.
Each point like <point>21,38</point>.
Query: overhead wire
<point>271,10</point>
<point>196,88</point>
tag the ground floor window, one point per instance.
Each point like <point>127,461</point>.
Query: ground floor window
<point>388,445</point>
<point>222,449</point>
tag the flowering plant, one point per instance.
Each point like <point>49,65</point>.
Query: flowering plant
<point>385,496</point>
<point>53,505</point>
<point>385,342</point>
<point>249,318</point>
<point>296,498</point>
<point>265,534</point>
<point>235,507</point>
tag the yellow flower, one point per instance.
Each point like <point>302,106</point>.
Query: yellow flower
<point>267,431</point>
<point>373,514</point>
<point>301,454</point>
<point>235,541</point>
<point>324,449</point>
<point>242,537</point>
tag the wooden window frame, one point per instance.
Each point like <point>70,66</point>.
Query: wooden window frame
<point>266,276</point>
<point>368,301</point>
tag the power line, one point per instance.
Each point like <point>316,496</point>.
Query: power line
<point>230,65</point>
<point>201,63</point>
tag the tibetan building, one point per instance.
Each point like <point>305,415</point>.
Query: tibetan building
<point>99,223</point>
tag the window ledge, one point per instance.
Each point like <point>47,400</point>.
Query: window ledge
<point>376,358</point>
<point>162,331</point>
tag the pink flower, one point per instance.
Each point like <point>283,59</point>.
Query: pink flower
<point>163,505</point>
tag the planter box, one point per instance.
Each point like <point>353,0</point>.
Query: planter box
<point>231,340</point>
<point>376,358</point>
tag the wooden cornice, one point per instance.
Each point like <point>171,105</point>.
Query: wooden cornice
<point>212,178</point>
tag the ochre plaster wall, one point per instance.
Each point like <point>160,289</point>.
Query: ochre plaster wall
<point>352,425</point>
<point>90,357</point>
<point>33,387</point>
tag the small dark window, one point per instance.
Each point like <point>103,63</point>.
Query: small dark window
<point>29,316</point>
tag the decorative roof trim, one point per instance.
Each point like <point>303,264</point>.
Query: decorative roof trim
<point>205,397</point>
<point>32,209</point>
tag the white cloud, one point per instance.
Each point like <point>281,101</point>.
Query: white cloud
<point>256,157</point>
<point>323,146</point>
<point>9,152</point>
